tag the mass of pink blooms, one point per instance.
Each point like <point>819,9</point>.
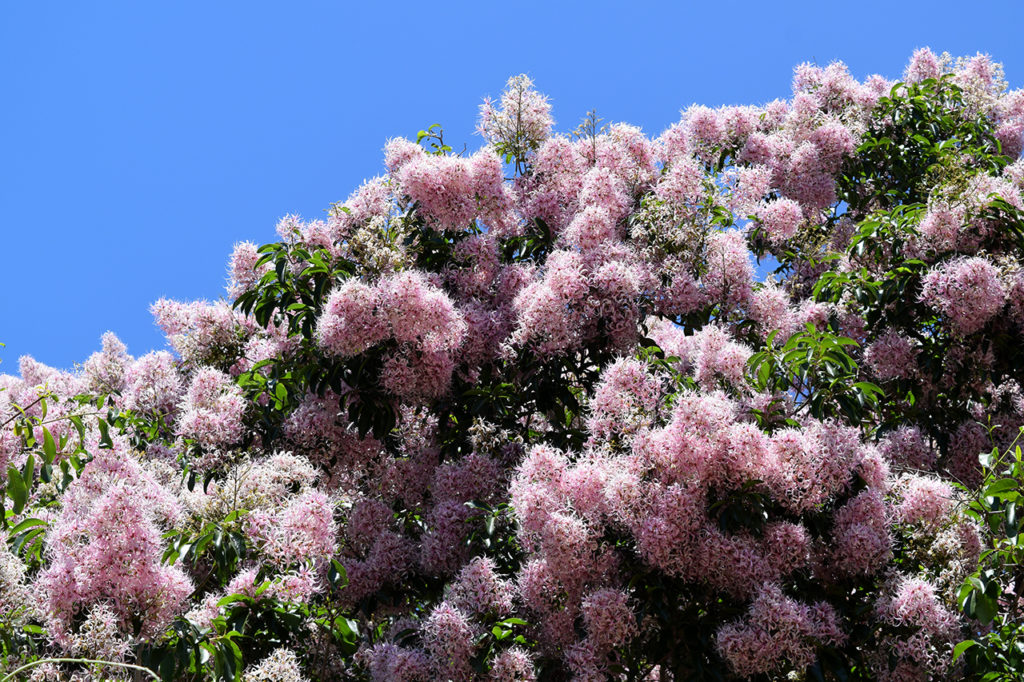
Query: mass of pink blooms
<point>580,453</point>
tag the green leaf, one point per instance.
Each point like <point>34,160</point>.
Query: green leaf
<point>960,648</point>
<point>26,524</point>
<point>336,574</point>
<point>869,388</point>
<point>49,447</point>
<point>28,471</point>
<point>31,538</point>
<point>1000,487</point>
<point>105,441</point>
<point>79,426</point>
<point>234,598</point>
<point>985,608</point>
<point>16,489</point>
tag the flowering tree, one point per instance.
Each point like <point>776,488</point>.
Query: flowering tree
<point>554,426</point>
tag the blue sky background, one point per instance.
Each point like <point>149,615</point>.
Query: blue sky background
<point>141,140</point>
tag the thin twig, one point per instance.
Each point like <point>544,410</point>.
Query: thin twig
<point>10,676</point>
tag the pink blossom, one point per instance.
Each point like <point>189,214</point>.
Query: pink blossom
<point>682,295</point>
<point>448,640</point>
<point>417,376</point>
<point>683,184</point>
<point>371,200</point>
<point>212,410</point>
<point>800,475</point>
<point>777,630</point>
<point>242,271</point>
<point>874,470</point>
<point>969,440</point>
<point>891,356</point>
<point>399,152</point>
<point>282,665</point>
<point>418,312</point>
<point>730,275</point>
<point>304,530</point>
<point>1011,137</point>
<point>479,589</point>
<point>667,539</point>
<point>941,225</point>
<point>451,192</point>
<point>107,548</point>
<point>388,662</point>
<point>703,127</point>
<point>603,189</point>
<point>713,356</point>
<point>513,665</point>
<point>609,619</point>
<point>625,393</point>
<point>967,292</point>
<point>861,535</point>
<point>925,500</point>
<point>780,218</point>
<point>923,64</point>
<point>590,228</point>
<point>105,372</point>
<point>770,307</point>
<point>914,603</point>
<point>442,547</point>
<point>522,118</point>
<point>353,320</point>
<point>906,447</point>
<point>834,142</point>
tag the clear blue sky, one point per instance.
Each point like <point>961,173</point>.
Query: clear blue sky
<point>141,140</point>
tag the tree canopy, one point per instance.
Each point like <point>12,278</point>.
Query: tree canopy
<point>740,401</point>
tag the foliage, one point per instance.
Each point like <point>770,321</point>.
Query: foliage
<point>553,426</point>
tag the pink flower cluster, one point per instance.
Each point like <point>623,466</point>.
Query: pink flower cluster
<point>891,356</point>
<point>730,275</point>
<point>778,630</point>
<point>912,602</point>
<point>106,547</point>
<point>448,640</point>
<point>577,300</point>
<point>967,291</point>
<point>104,372</point>
<point>608,618</point>
<point>623,399</point>
<point>453,192</point>
<point>941,226</point>
<point>212,409</point>
<point>200,332</point>
<point>372,200</point>
<point>906,447</point>
<point>388,662</point>
<point>925,500</point>
<point>242,271</point>
<point>862,535</point>
<point>404,307</point>
<point>302,531</point>
<point>353,319</point>
<point>479,589</point>
<point>780,218</point>
<point>521,121</point>
<point>153,385</point>
<point>710,355</point>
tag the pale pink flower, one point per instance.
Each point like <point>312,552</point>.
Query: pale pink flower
<point>967,292</point>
